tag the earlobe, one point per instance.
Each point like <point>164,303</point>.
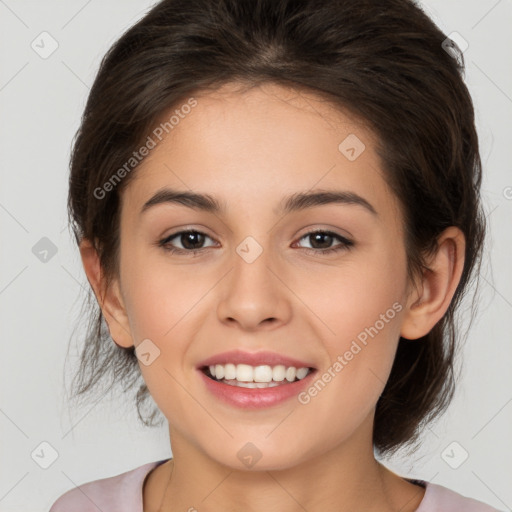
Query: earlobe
<point>109,297</point>
<point>435,292</point>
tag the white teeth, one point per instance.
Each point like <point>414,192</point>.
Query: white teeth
<point>230,371</point>
<point>244,373</point>
<point>262,374</point>
<point>251,384</point>
<point>302,372</point>
<point>219,371</point>
<point>278,373</point>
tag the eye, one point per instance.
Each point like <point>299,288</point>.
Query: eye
<point>190,240</point>
<point>324,239</point>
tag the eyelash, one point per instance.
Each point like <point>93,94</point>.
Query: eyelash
<point>344,245</point>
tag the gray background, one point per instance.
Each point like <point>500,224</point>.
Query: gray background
<point>41,101</point>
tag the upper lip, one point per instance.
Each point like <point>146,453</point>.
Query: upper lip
<point>253,359</point>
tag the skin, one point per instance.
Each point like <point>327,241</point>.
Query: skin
<point>250,149</point>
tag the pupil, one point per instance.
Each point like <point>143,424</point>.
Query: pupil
<point>187,237</point>
<point>317,236</point>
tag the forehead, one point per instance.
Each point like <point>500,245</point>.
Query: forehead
<point>254,143</point>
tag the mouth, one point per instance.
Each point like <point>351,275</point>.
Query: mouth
<point>262,376</point>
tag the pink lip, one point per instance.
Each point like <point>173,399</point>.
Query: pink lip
<point>253,359</point>
<point>255,398</point>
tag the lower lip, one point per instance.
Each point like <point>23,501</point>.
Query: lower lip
<point>255,398</point>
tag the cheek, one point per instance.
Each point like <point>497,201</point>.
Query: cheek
<point>360,306</point>
<point>164,304</point>
<point>160,297</point>
<point>160,306</point>
<point>354,295</point>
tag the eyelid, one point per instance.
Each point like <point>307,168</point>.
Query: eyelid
<point>307,230</point>
<point>343,245</point>
<point>162,242</point>
<point>313,228</point>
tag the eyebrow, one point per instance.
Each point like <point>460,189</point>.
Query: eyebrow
<point>296,202</point>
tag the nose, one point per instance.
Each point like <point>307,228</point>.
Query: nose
<point>252,295</point>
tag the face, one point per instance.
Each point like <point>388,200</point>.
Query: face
<point>323,282</point>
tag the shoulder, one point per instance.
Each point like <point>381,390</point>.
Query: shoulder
<point>438,498</point>
<point>119,492</point>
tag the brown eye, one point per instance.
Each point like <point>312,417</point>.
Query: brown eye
<point>321,242</point>
<point>191,241</point>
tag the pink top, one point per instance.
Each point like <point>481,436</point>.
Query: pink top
<point>123,493</point>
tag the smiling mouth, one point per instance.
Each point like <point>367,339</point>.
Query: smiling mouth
<point>283,378</point>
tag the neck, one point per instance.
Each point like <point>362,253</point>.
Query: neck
<point>345,478</point>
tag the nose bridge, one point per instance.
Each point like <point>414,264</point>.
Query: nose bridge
<point>251,262</point>
<point>250,250</point>
<point>252,294</point>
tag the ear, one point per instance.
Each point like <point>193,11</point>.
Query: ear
<point>430,300</point>
<point>110,299</point>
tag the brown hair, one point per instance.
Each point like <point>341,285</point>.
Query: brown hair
<point>383,60</point>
